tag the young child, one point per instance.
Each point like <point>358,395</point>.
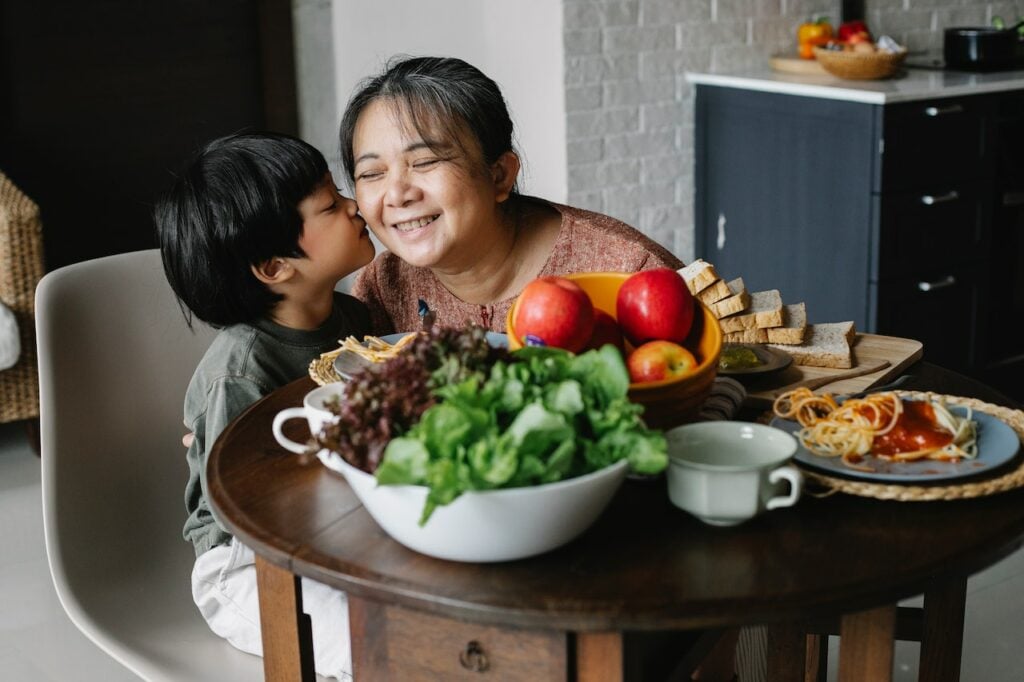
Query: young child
<point>254,237</point>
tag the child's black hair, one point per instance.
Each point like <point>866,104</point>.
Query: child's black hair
<point>234,206</point>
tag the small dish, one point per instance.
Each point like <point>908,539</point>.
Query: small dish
<point>771,360</point>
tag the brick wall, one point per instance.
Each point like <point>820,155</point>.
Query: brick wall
<point>630,111</point>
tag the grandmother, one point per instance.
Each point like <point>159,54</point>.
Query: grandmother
<point>428,147</point>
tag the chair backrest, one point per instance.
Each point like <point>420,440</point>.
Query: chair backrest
<point>115,358</point>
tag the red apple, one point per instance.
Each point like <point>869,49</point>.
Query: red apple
<point>606,330</point>
<point>657,360</point>
<point>655,304</point>
<point>554,311</point>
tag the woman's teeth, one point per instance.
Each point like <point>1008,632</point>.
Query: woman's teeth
<point>414,224</point>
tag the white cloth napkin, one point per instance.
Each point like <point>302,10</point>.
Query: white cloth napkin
<point>10,342</point>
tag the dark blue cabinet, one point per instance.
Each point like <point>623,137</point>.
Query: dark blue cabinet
<point>893,216</point>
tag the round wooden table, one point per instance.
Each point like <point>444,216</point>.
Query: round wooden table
<point>837,564</point>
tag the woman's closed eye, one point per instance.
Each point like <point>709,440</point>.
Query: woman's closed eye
<point>369,175</point>
<point>424,164</point>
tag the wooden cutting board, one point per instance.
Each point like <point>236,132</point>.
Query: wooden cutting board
<point>791,63</point>
<point>867,349</point>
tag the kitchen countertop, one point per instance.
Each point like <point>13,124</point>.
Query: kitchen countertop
<point>908,85</point>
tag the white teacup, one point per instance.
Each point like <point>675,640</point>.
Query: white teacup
<point>312,410</point>
<point>727,472</point>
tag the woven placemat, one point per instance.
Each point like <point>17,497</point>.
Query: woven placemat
<point>1008,480</point>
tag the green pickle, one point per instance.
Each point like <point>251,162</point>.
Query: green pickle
<point>738,357</point>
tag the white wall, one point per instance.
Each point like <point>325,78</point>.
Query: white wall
<point>518,44</point>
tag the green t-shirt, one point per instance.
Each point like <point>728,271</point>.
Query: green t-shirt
<point>244,363</point>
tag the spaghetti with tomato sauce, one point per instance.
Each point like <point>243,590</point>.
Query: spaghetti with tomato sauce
<point>882,425</point>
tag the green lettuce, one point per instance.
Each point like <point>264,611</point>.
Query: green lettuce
<point>541,417</point>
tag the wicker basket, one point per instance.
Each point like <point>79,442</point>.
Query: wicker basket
<point>860,65</point>
<point>21,267</point>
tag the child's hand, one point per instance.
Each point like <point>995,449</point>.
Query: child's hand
<point>187,439</point>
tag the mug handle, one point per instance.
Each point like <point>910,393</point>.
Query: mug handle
<point>796,482</point>
<point>279,419</point>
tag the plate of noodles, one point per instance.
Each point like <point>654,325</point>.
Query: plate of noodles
<point>893,438</point>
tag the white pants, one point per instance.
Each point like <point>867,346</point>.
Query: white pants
<point>224,589</point>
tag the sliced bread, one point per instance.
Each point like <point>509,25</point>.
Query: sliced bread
<point>698,275</point>
<point>737,300</point>
<point>755,335</point>
<point>825,345</point>
<point>794,325</point>
<point>714,293</point>
<point>765,310</point>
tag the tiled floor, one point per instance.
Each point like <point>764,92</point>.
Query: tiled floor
<point>39,643</point>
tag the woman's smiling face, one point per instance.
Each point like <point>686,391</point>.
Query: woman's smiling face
<point>431,202</point>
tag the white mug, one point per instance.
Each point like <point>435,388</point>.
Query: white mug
<point>312,410</point>
<point>726,472</point>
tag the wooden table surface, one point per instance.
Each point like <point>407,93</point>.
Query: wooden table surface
<point>645,565</point>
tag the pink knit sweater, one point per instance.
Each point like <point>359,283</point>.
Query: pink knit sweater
<point>587,242</point>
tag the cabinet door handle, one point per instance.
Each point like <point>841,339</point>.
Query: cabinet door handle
<point>947,281</point>
<point>943,111</point>
<point>930,199</point>
<point>473,657</point>
<point>1013,198</point>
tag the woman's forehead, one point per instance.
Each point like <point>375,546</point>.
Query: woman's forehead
<point>410,123</point>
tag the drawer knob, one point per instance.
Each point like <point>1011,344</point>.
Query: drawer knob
<point>943,111</point>
<point>473,657</point>
<point>947,281</point>
<point>931,200</point>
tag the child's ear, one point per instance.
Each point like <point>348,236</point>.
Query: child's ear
<point>273,271</point>
<point>504,172</point>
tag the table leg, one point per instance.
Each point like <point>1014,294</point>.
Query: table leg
<point>787,652</point>
<point>599,657</point>
<point>286,631</point>
<point>942,635</point>
<point>866,645</point>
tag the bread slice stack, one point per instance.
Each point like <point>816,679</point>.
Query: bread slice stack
<point>824,345</point>
<point>762,317</point>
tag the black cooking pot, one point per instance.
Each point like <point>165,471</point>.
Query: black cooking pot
<point>982,49</point>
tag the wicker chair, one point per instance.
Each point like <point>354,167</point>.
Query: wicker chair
<point>21,267</point>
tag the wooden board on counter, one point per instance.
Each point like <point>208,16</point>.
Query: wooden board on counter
<point>867,349</point>
<point>791,63</point>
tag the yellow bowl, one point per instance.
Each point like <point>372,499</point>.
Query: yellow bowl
<point>669,402</point>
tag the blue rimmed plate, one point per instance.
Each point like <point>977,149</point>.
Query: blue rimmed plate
<point>997,445</point>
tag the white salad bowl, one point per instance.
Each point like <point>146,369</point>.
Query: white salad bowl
<point>491,525</point>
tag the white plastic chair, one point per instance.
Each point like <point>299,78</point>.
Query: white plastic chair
<point>115,357</point>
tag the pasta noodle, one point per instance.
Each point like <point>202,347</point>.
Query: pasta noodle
<point>881,424</point>
<point>372,348</point>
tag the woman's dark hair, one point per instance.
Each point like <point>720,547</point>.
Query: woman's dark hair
<point>234,206</point>
<point>440,95</point>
